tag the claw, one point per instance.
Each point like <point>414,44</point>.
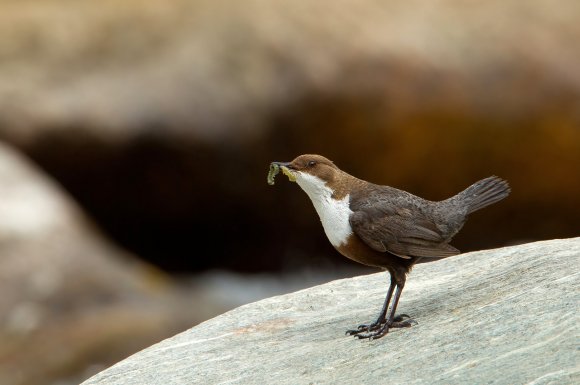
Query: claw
<point>376,330</point>
<point>375,335</point>
<point>364,328</point>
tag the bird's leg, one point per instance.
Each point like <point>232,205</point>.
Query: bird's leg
<point>392,321</point>
<point>382,316</point>
<point>402,320</point>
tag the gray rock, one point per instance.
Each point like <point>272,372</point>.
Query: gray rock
<point>504,316</point>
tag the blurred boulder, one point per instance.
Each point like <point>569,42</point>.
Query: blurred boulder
<point>218,70</point>
<point>160,117</point>
<point>68,298</point>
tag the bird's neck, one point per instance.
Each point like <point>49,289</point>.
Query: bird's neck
<point>333,210</point>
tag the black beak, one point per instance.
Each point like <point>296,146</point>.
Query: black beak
<point>285,164</point>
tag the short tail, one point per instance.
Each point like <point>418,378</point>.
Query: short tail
<point>484,193</point>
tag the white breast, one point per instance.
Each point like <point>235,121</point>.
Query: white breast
<point>334,214</point>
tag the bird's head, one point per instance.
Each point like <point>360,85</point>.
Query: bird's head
<point>311,172</point>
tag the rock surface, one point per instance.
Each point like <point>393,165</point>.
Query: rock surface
<point>504,316</point>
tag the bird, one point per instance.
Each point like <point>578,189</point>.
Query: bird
<point>385,227</point>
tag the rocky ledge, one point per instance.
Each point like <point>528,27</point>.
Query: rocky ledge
<point>503,316</point>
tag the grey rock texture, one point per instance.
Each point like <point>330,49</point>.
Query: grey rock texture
<point>504,316</point>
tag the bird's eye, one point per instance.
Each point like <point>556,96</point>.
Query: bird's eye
<point>312,163</point>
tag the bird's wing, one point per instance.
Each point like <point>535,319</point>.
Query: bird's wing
<point>400,227</point>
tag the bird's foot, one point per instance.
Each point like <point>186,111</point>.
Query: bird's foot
<point>374,334</point>
<point>378,329</point>
<point>365,328</point>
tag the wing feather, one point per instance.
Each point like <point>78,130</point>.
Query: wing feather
<point>401,228</point>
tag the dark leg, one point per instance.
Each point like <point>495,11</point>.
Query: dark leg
<point>382,316</point>
<point>392,321</point>
<point>398,321</point>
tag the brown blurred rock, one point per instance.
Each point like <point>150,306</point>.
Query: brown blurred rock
<point>161,116</point>
<point>68,298</point>
<point>210,68</point>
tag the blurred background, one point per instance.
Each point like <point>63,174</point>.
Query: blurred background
<point>135,139</point>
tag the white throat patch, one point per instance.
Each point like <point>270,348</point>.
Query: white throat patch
<point>334,214</point>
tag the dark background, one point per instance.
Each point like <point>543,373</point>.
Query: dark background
<point>189,206</point>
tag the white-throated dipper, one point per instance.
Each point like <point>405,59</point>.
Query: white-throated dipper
<point>385,227</point>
